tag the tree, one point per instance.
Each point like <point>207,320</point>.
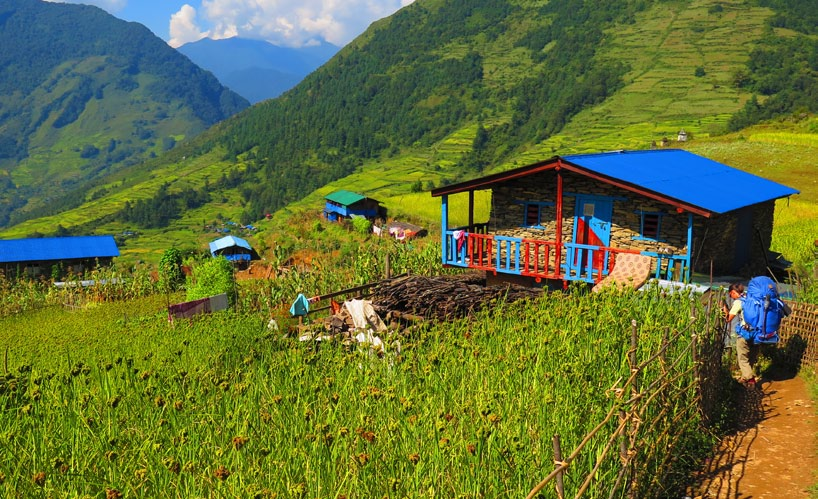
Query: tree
<point>170,270</point>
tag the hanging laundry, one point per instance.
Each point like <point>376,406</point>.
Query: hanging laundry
<point>300,307</point>
<point>460,238</point>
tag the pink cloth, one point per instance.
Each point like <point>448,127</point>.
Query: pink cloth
<point>460,237</point>
<point>189,308</point>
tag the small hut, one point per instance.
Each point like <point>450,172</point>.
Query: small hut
<point>345,204</point>
<point>235,249</point>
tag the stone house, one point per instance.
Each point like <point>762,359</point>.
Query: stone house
<point>566,218</point>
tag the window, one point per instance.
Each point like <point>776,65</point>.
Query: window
<point>650,225</point>
<point>533,213</point>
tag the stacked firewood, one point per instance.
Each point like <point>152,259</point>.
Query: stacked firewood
<point>443,297</point>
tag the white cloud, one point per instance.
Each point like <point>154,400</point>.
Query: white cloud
<point>184,28</point>
<point>112,6</point>
<point>282,22</point>
<point>285,22</point>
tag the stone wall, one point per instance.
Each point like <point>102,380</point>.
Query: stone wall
<point>715,240</point>
<point>507,212</point>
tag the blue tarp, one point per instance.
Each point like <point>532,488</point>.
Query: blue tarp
<point>233,243</point>
<point>300,307</point>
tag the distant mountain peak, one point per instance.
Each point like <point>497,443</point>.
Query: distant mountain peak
<point>256,69</point>
<point>83,94</point>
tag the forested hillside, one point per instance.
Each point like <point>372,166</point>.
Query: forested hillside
<point>783,70</point>
<point>445,90</point>
<point>427,71</point>
<point>520,71</point>
<point>82,94</point>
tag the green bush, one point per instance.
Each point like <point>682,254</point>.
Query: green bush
<point>212,277</point>
<point>362,225</point>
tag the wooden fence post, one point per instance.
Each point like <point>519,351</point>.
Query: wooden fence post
<point>632,355</point>
<point>630,443</point>
<point>558,481</point>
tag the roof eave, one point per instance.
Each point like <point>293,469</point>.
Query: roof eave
<point>680,206</point>
<point>489,180</point>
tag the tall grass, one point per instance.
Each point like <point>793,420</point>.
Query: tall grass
<point>20,294</point>
<point>130,404</point>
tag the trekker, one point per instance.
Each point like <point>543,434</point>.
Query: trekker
<point>759,311</point>
<point>734,292</point>
<point>746,350</point>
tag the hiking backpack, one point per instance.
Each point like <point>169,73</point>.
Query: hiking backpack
<point>763,311</point>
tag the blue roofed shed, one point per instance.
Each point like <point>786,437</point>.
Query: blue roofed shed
<point>233,248</point>
<point>346,204</point>
<point>37,255</point>
<point>566,218</point>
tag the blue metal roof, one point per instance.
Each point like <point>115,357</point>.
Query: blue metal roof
<point>57,248</point>
<point>229,242</point>
<point>684,176</point>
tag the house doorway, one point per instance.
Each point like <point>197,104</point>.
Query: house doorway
<point>592,227</point>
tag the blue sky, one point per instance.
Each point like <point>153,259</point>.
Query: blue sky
<point>282,22</point>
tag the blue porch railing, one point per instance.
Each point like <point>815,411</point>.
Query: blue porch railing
<point>669,266</point>
<point>547,259</point>
<point>586,262</point>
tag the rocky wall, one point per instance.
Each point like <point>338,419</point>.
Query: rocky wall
<point>507,212</point>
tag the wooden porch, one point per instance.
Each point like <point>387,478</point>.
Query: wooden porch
<point>539,259</point>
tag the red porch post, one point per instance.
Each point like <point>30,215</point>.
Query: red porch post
<point>471,210</point>
<point>558,249</point>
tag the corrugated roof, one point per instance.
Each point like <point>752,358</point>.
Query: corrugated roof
<point>685,176</point>
<point>675,176</point>
<point>57,248</point>
<point>228,242</point>
<point>345,198</point>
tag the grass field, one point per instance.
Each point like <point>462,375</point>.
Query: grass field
<point>111,400</point>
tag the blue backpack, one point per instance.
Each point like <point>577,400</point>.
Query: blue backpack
<point>763,311</point>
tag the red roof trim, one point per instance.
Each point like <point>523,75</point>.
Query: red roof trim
<point>559,163</point>
<point>485,182</point>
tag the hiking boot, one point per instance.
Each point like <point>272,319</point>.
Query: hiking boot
<point>749,383</point>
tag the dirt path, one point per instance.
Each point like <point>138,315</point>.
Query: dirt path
<point>774,454</point>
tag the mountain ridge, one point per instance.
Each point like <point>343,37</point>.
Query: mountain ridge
<point>83,93</point>
<point>256,69</point>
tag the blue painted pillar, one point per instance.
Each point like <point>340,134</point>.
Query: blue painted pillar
<point>444,226</point>
<point>689,271</point>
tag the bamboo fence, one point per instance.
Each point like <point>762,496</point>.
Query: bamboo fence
<point>799,335</point>
<point>649,418</point>
<point>644,426</point>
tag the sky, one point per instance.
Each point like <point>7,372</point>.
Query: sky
<point>289,23</point>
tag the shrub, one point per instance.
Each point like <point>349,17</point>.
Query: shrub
<point>212,277</point>
<point>362,225</point>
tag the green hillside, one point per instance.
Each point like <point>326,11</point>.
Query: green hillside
<point>83,94</point>
<point>443,91</point>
